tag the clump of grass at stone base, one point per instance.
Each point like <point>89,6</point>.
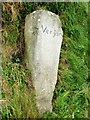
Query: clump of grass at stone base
<point>20,101</point>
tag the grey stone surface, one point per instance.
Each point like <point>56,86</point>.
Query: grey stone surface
<point>43,38</point>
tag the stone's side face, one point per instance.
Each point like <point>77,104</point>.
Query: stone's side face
<point>43,38</point>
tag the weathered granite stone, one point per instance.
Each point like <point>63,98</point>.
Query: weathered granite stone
<point>43,38</point>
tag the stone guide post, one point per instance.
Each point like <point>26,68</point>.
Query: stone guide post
<point>43,39</point>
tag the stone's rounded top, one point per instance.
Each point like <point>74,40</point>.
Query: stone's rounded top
<point>43,11</point>
<point>40,13</point>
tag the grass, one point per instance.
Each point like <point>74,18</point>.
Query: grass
<point>71,96</point>
<point>20,102</point>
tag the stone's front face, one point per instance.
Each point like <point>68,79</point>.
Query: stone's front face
<point>43,38</point>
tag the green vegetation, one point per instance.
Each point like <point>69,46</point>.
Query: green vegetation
<point>71,97</point>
